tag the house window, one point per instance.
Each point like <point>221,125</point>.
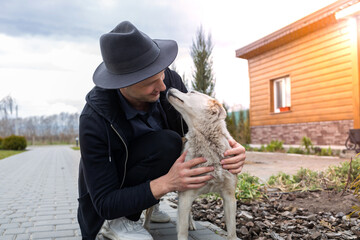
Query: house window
<point>281,94</point>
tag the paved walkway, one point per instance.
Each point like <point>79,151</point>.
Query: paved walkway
<point>38,193</point>
<point>38,198</point>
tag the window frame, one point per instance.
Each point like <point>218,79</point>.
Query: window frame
<point>285,94</point>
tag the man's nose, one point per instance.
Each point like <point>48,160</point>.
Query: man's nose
<point>162,86</point>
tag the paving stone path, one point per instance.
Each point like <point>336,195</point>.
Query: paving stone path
<point>38,194</point>
<point>38,198</point>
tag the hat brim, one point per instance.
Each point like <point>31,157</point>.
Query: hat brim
<point>105,79</point>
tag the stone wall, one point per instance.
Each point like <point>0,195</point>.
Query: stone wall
<point>320,133</point>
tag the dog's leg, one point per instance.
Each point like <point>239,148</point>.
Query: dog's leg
<point>148,213</point>
<point>184,209</point>
<point>192,226</point>
<point>228,194</point>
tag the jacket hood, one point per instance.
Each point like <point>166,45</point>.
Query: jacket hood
<point>105,102</point>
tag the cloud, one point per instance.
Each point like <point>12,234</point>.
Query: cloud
<point>40,72</point>
<point>50,49</point>
<point>76,19</point>
<point>42,18</point>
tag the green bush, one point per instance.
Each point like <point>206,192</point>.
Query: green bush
<point>335,177</point>
<point>356,186</point>
<point>248,187</point>
<point>280,179</point>
<point>326,152</point>
<point>14,143</point>
<point>343,170</point>
<point>295,150</point>
<point>275,146</point>
<point>261,149</point>
<point>1,140</point>
<point>248,147</point>
<point>304,180</point>
<point>307,144</point>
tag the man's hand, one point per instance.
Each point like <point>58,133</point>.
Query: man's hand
<point>181,176</point>
<point>235,163</point>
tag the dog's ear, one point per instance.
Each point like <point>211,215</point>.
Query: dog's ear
<point>217,109</point>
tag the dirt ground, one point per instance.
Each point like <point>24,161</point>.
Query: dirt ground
<point>296,215</point>
<point>287,216</point>
<point>263,165</point>
<point>320,201</point>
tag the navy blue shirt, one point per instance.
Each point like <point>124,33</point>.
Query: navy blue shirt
<point>143,122</point>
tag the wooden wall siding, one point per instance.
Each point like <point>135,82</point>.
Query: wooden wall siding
<point>356,74</point>
<point>320,70</point>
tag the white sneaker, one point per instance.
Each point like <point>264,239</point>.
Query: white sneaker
<point>124,229</point>
<point>159,216</point>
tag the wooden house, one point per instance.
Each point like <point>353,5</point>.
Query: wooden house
<point>304,78</point>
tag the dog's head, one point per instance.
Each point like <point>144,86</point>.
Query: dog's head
<point>196,107</point>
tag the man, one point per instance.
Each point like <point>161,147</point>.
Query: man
<point>130,137</point>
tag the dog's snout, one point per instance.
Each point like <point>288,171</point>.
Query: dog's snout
<point>170,93</point>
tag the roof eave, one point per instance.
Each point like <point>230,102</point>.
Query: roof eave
<point>313,22</point>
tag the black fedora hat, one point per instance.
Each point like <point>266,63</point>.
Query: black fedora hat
<point>130,56</point>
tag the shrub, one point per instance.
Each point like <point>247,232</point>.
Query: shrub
<point>261,149</point>
<point>308,179</point>
<point>307,144</point>
<point>248,187</point>
<point>1,139</point>
<point>283,181</point>
<point>14,143</point>
<point>275,146</point>
<point>248,147</point>
<point>343,170</point>
<point>335,177</point>
<point>326,152</point>
<point>317,150</point>
<point>295,150</point>
<point>356,185</point>
<point>303,180</point>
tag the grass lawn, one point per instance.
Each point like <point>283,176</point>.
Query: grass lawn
<point>8,153</point>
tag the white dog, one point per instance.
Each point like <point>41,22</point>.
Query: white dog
<point>207,137</point>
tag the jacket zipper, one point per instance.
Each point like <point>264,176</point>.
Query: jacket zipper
<point>127,154</point>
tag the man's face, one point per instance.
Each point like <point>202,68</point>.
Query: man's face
<point>147,90</point>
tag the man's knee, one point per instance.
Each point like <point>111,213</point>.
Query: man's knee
<point>169,144</point>
<point>156,148</point>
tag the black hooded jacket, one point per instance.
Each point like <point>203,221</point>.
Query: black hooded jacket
<point>104,154</point>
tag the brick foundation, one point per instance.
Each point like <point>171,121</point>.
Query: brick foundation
<point>320,133</point>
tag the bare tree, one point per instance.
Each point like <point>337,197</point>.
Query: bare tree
<point>58,128</point>
<point>7,120</point>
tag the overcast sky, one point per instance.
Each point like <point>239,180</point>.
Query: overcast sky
<point>50,49</point>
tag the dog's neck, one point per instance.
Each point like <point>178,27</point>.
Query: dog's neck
<point>215,134</point>
<point>216,128</point>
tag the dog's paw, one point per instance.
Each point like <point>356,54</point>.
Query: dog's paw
<point>232,238</point>
<point>192,225</point>
<point>182,237</point>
